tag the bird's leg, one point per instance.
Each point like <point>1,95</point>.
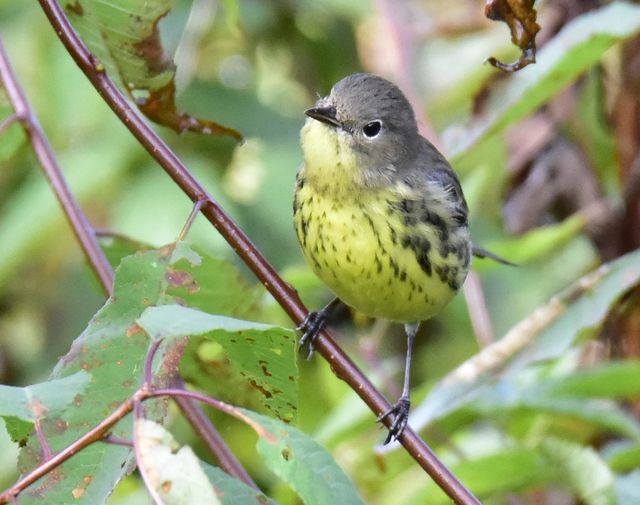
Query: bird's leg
<point>314,323</point>
<point>400,410</point>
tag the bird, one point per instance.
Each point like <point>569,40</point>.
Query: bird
<point>379,214</point>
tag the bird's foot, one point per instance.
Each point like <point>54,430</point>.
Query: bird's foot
<point>312,325</point>
<point>400,411</point>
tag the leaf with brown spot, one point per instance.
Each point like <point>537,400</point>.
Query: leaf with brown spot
<point>125,37</point>
<point>116,371</point>
<point>174,472</point>
<point>134,329</point>
<point>303,464</point>
<point>181,278</point>
<point>20,407</point>
<point>273,350</point>
<point>520,16</point>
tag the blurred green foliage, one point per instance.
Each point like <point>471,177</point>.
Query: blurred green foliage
<point>255,66</point>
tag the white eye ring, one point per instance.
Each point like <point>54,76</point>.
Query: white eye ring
<point>372,129</point>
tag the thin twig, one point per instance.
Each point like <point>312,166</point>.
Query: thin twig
<point>7,122</point>
<point>42,440</point>
<point>341,364</point>
<point>148,362</point>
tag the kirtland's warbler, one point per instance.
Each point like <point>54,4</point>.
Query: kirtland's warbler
<point>379,213</point>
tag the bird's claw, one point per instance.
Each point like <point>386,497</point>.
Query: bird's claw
<point>400,411</point>
<point>312,325</point>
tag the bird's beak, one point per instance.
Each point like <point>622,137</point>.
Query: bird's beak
<point>325,115</point>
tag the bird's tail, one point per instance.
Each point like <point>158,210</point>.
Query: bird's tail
<point>479,252</point>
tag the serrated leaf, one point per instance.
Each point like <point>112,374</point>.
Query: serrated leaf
<point>17,429</point>
<point>578,46</point>
<point>121,34</point>
<point>118,247</point>
<point>264,354</point>
<point>173,473</point>
<point>303,464</point>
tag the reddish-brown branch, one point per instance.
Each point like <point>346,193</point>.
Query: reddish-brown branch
<point>342,366</point>
<point>86,236</point>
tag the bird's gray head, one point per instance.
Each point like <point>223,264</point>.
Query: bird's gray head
<point>375,120</point>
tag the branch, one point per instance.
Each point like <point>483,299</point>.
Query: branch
<point>87,237</point>
<point>288,299</point>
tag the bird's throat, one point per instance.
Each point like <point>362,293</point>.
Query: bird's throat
<point>330,163</point>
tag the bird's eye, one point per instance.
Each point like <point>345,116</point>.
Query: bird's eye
<point>372,129</point>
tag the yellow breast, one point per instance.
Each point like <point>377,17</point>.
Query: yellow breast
<point>362,251</point>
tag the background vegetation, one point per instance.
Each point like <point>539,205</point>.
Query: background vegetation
<point>548,158</point>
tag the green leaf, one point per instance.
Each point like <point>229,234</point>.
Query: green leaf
<point>303,464</point>
<point>583,470</point>
<point>622,456</point>
<point>232,491</point>
<point>38,401</point>
<point>570,317</point>
<point>118,247</point>
<point>125,36</point>
<point>173,472</point>
<point>577,47</point>
<point>17,429</point>
<point>112,350</point>
<point>609,380</point>
<point>264,354</point>
<point>214,285</point>
<point>20,407</point>
<point>122,34</point>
